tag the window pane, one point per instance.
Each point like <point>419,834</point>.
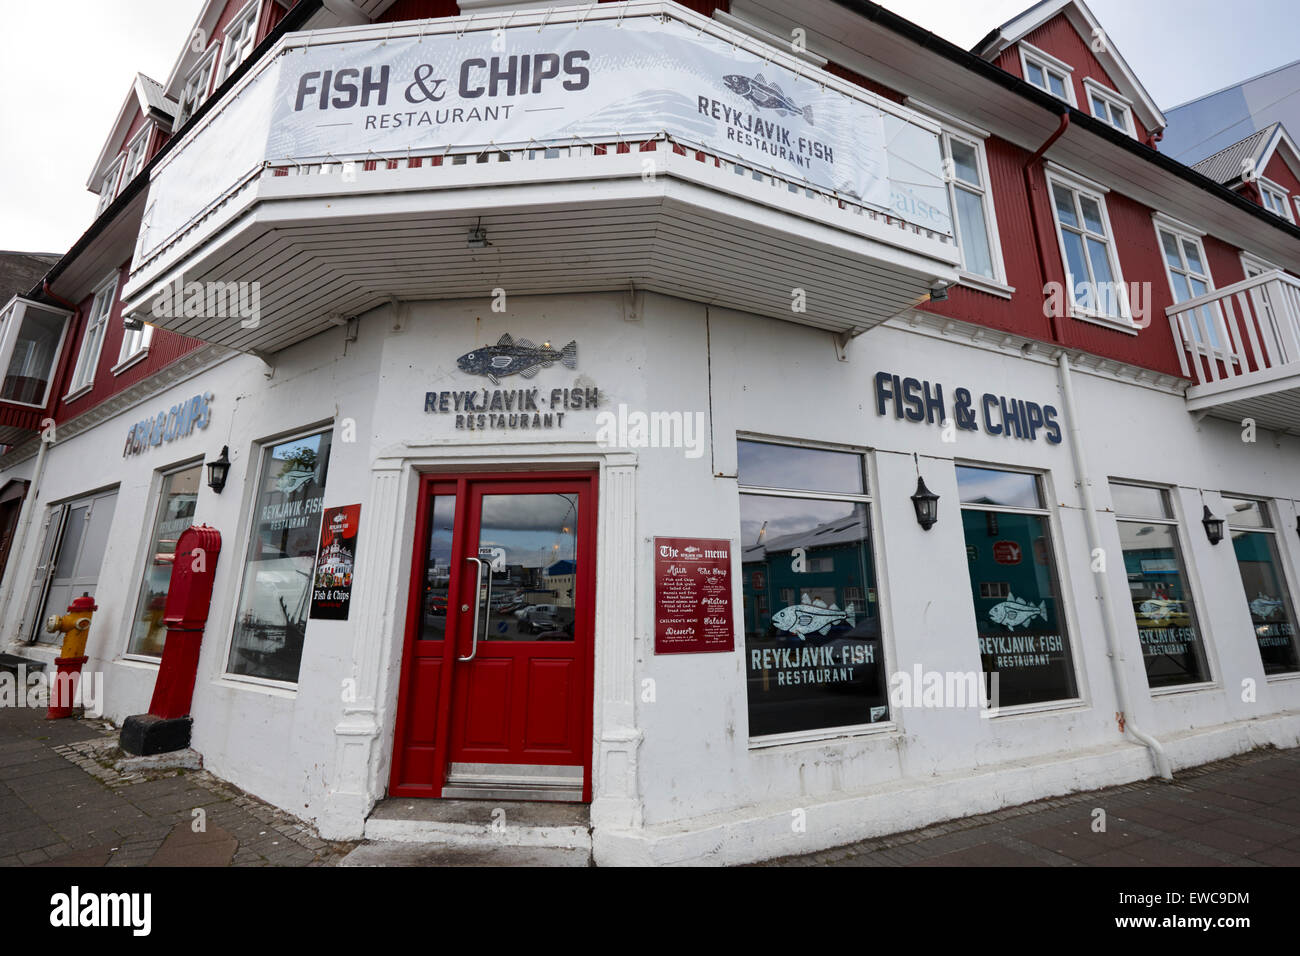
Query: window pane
<point>1036,75</point>
<point>974,233</point>
<point>1168,633</point>
<point>1099,108</point>
<point>765,465</point>
<point>1271,610</point>
<point>437,569</point>
<point>817,662</point>
<point>1022,637</point>
<point>1193,257</point>
<point>1119,117</point>
<point>1077,268</point>
<point>1056,85</point>
<point>965,162</point>
<point>1246,513</point>
<point>1065,206</point>
<point>984,486</point>
<point>1170,246</point>
<point>1092,215</point>
<point>1181,292</point>
<point>271,620</point>
<point>180,492</point>
<point>1107,293</point>
<point>1136,500</point>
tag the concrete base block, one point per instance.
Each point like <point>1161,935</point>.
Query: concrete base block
<point>147,734</point>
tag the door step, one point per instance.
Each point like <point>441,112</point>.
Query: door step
<point>520,832</point>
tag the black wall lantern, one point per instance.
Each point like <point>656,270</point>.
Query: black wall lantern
<point>926,503</point>
<point>219,470</point>
<point>1213,526</point>
<point>1297,525</point>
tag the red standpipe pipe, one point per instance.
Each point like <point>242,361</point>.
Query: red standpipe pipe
<point>1033,210</point>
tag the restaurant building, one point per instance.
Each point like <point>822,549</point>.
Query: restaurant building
<point>587,376</point>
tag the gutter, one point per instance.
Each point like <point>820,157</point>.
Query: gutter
<point>1114,649</point>
<point>295,18</point>
<point>964,58</point>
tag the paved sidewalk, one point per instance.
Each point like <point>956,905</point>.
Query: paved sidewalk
<point>1243,811</point>
<point>62,804</point>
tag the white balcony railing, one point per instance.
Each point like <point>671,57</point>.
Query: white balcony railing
<point>1241,334</point>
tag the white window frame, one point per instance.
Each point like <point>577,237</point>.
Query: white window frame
<point>974,137</point>
<point>202,71</point>
<point>135,346</point>
<point>83,375</point>
<point>243,42</point>
<point>1057,176</point>
<point>108,185</point>
<point>1047,63</point>
<point>1251,261</point>
<point>1113,101</point>
<point>1284,199</point>
<point>137,154</point>
<point>1181,232</point>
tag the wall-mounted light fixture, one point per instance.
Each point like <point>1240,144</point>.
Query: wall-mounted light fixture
<point>939,292</point>
<point>219,470</point>
<point>1213,526</point>
<point>926,503</point>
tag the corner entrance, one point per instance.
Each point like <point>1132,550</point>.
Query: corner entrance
<point>496,693</point>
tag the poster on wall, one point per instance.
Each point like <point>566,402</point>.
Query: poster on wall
<point>692,596</point>
<point>331,594</point>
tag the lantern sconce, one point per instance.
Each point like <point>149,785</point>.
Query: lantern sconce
<point>926,503</point>
<point>219,470</point>
<point>1213,526</point>
<point>1297,524</point>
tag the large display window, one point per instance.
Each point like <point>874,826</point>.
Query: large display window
<point>275,597</point>
<point>1173,649</point>
<point>1272,612</point>
<point>814,657</point>
<point>176,503</point>
<point>1020,621</point>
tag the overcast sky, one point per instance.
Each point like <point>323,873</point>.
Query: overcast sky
<point>64,79</point>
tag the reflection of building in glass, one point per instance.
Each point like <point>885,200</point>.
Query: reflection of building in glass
<point>558,579</point>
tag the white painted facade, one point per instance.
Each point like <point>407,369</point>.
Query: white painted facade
<point>677,779</point>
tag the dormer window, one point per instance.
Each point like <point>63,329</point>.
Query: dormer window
<point>136,154</point>
<point>241,36</point>
<point>1109,107</point>
<point>1275,199</point>
<point>1047,72</point>
<point>196,87</point>
<point>108,186</point>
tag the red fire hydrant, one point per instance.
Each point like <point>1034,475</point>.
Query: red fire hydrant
<point>75,627</point>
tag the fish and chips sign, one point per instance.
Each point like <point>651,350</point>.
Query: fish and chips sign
<point>633,78</point>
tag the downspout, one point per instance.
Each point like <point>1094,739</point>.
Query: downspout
<point>1113,647</point>
<point>1031,192</point>
<point>50,294</point>
<point>20,537</point>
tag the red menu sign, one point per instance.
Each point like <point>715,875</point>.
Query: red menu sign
<point>692,596</point>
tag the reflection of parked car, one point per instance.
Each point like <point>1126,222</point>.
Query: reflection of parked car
<point>522,613</point>
<point>540,623</point>
<point>564,633</point>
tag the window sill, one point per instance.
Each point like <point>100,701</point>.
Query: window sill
<point>1032,710</point>
<point>1197,688</point>
<point>1277,678</point>
<point>130,360</point>
<point>985,284</point>
<point>259,685</point>
<point>139,660</point>
<point>1105,321</point>
<point>823,737</point>
<point>78,393</point>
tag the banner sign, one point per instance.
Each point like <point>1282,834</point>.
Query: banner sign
<point>332,594</point>
<point>692,595</point>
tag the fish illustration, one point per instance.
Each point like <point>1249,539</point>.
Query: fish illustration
<point>812,615</point>
<point>765,95</point>
<point>516,357</point>
<point>1265,606</point>
<point>1014,612</point>
<point>1159,609</point>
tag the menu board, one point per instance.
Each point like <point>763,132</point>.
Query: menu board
<point>692,595</point>
<point>335,563</point>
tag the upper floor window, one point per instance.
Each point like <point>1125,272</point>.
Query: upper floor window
<point>1275,200</point>
<point>83,376</point>
<point>108,186</point>
<point>1096,287</point>
<point>1189,277</point>
<point>241,36</point>
<point>966,172</point>
<point>1047,72</point>
<point>135,342</point>
<point>136,154</point>
<point>196,87</point>
<point>1109,107</point>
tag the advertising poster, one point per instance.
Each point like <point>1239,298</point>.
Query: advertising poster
<point>692,596</point>
<point>332,590</point>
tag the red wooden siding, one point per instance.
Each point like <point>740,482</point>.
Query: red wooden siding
<point>1279,172</point>
<point>1059,37</point>
<point>844,73</point>
<point>419,10</point>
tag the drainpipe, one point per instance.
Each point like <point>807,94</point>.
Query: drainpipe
<point>1031,192</point>
<point>50,294</point>
<point>1113,646</point>
<point>20,536</point>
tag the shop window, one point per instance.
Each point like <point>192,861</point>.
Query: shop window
<point>814,659</point>
<point>1173,650</point>
<point>275,596</point>
<point>1254,539</point>
<point>1023,638</point>
<point>176,502</point>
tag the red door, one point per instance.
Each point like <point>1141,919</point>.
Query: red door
<point>496,688</point>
